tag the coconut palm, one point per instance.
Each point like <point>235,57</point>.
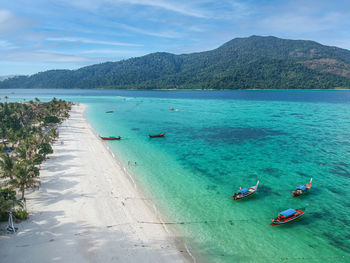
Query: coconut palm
<point>6,165</point>
<point>8,201</point>
<point>26,175</point>
<point>22,125</point>
<point>53,133</point>
<point>28,148</point>
<point>45,148</point>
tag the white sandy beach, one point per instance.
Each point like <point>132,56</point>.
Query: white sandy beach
<point>83,211</point>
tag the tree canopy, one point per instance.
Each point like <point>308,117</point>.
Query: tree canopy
<point>242,63</point>
<point>25,141</point>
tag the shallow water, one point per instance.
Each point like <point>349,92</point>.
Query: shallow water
<point>219,141</point>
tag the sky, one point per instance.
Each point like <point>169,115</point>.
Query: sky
<point>40,35</point>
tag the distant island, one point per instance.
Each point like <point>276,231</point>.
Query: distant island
<point>243,63</point>
<point>6,77</point>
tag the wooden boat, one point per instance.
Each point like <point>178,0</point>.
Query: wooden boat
<point>110,138</point>
<point>245,192</point>
<point>172,109</point>
<point>157,135</point>
<point>286,216</point>
<point>302,189</point>
<point>110,111</point>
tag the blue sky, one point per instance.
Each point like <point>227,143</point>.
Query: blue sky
<point>39,35</point>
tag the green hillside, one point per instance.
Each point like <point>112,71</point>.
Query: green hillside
<point>242,63</point>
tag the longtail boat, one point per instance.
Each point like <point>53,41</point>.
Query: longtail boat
<point>157,135</point>
<point>245,192</point>
<point>172,109</point>
<point>302,189</point>
<point>110,138</point>
<point>110,111</point>
<point>286,216</point>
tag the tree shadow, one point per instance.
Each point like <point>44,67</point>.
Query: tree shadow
<point>45,237</point>
<point>59,163</point>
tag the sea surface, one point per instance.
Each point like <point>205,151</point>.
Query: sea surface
<point>217,141</point>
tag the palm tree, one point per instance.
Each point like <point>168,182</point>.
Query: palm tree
<point>53,133</point>
<point>8,201</point>
<point>45,148</point>
<point>6,165</point>
<point>26,175</point>
<point>23,125</point>
<point>28,148</point>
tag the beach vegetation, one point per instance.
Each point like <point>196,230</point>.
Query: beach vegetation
<point>45,148</point>
<point>21,214</point>
<point>51,119</point>
<point>6,165</point>
<point>26,175</point>
<point>27,131</point>
<point>8,200</point>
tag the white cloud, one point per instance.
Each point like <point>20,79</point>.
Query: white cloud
<point>164,34</point>
<point>5,15</point>
<point>108,51</point>
<point>36,56</point>
<point>4,44</point>
<point>92,41</point>
<point>177,7</point>
<point>181,7</point>
<point>10,23</point>
<point>298,17</point>
<point>298,23</point>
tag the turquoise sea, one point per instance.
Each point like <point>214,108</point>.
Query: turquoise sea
<point>217,141</point>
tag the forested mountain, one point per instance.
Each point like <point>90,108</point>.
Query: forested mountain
<point>242,63</point>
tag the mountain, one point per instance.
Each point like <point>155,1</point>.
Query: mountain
<point>6,77</point>
<point>243,63</point>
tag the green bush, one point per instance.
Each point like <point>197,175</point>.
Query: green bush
<point>21,214</point>
<point>4,217</point>
<point>7,202</point>
<point>8,194</point>
<point>51,119</point>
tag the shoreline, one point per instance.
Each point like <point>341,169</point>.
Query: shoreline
<point>174,89</point>
<point>78,217</point>
<point>180,244</point>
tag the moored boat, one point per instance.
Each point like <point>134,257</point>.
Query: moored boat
<point>157,135</point>
<point>245,192</point>
<point>286,216</point>
<point>110,138</point>
<point>302,189</point>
